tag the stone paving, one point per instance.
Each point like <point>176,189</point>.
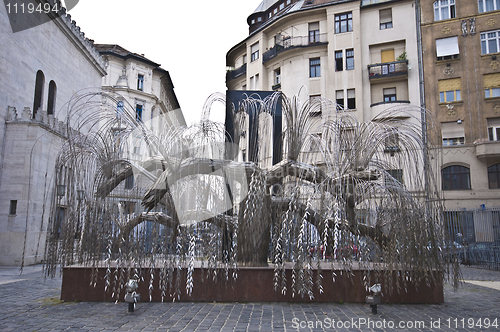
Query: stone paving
<point>31,303</point>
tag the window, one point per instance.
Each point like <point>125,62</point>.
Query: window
<point>128,207</point>
<point>254,49</point>
<point>13,207</point>
<point>120,108</point>
<point>394,177</point>
<point>449,90</point>
<point>282,5</point>
<point>389,95</point>
<point>140,82</point>
<point>490,42</point>
<point>138,112</point>
<point>313,32</point>
<point>351,99</point>
<point>339,61</point>
<point>245,59</point>
<point>259,19</point>
<point>254,52</point>
<point>51,104</point>
<point>452,133</point>
<point>493,177</point>
<point>129,182</point>
<point>315,67</point>
<point>456,178</point>
<point>392,143</point>
<point>349,59</point>
<point>277,76</point>
<point>315,106</point>
<point>447,48</point>
<point>339,98</point>
<point>385,18</point>
<point>488,5</point>
<point>343,22</point>
<point>453,141</point>
<point>491,85</point>
<point>494,129</point>
<point>444,9</point>
<point>39,83</point>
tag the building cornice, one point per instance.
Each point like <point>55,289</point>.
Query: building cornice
<point>284,15</point>
<point>68,26</point>
<point>461,18</point>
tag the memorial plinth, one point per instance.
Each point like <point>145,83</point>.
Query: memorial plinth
<point>253,284</point>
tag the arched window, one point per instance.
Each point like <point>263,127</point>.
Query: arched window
<point>494,176</point>
<point>51,103</point>
<point>456,177</point>
<point>40,81</point>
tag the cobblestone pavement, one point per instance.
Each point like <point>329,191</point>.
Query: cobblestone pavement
<point>30,303</point>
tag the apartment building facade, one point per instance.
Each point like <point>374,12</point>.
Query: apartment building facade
<point>460,42</point>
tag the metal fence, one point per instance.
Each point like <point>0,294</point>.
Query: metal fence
<point>476,234</point>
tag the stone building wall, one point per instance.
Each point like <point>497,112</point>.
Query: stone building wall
<point>29,146</point>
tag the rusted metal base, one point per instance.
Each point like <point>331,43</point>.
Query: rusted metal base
<point>254,284</point>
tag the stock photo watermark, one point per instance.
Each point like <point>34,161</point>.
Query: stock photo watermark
<point>360,323</point>
<point>27,14</point>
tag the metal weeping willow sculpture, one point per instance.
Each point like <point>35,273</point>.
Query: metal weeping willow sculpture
<point>346,194</point>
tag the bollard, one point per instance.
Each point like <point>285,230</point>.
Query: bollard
<point>374,299</point>
<point>131,297</point>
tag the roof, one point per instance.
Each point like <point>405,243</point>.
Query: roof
<point>120,52</point>
<point>265,5</point>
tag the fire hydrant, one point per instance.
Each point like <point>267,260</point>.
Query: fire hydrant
<point>131,297</point>
<point>374,299</point>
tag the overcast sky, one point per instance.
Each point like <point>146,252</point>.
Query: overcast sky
<point>189,38</point>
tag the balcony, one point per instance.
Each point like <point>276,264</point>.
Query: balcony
<point>290,43</point>
<point>386,71</point>
<point>231,75</point>
<point>486,149</point>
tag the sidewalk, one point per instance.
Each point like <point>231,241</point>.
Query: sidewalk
<point>31,303</point>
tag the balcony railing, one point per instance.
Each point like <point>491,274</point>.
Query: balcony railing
<point>388,69</point>
<point>231,75</point>
<point>289,43</point>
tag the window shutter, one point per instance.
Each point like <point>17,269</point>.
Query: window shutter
<point>447,46</point>
<point>389,91</point>
<point>387,56</point>
<point>493,122</point>
<point>314,26</point>
<point>452,130</point>
<point>385,15</point>
<point>449,85</point>
<point>255,48</point>
<point>491,81</point>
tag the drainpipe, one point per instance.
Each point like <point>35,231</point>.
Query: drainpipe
<point>423,114</point>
